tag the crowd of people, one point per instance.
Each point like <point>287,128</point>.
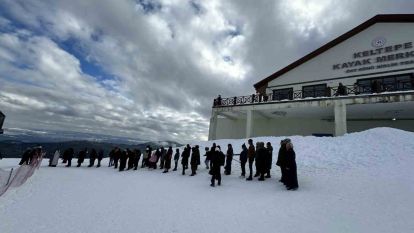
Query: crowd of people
<point>258,158</point>
<point>31,154</point>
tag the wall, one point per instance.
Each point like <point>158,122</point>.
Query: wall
<point>229,129</point>
<point>321,67</point>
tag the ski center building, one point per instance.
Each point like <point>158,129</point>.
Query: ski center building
<point>360,80</point>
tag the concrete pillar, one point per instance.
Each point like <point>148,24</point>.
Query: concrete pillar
<point>340,118</point>
<point>249,123</point>
<point>213,126</point>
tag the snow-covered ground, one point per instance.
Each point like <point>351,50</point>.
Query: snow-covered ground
<point>361,182</point>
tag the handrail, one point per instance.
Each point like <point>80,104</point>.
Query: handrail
<point>300,94</point>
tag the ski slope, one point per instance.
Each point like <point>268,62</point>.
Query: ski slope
<point>361,182</point>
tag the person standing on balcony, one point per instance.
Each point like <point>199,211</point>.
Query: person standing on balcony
<point>376,86</point>
<point>341,90</point>
<point>251,153</point>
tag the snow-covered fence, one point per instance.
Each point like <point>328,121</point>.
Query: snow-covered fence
<point>20,175</point>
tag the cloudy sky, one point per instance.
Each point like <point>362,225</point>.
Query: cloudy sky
<point>150,69</point>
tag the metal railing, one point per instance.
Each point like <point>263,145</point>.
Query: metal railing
<point>300,94</point>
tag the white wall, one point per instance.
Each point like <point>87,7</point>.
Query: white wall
<point>321,67</point>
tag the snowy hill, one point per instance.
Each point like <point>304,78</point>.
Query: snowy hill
<point>361,182</point>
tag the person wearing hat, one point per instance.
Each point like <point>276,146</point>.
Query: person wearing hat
<point>184,157</point>
<point>207,155</point>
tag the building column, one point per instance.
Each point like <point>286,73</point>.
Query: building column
<point>249,123</point>
<point>213,126</point>
<point>340,118</point>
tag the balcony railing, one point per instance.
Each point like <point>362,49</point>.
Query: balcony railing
<point>296,95</point>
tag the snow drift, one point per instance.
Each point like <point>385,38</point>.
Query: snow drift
<point>361,182</point>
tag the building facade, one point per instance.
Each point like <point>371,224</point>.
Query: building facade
<point>360,80</point>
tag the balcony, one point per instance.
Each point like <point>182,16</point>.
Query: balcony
<point>330,92</point>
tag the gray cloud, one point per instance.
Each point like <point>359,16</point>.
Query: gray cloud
<point>164,61</point>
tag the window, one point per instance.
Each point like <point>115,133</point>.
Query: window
<point>388,83</point>
<point>283,94</point>
<point>314,91</point>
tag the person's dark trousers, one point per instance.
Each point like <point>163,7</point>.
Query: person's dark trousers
<point>184,167</point>
<point>69,163</point>
<point>115,163</point>
<point>99,163</point>
<point>162,163</point>
<point>216,176</point>
<point>257,170</point>
<point>283,179</point>
<point>251,161</point>
<point>176,165</point>
<point>243,168</point>
<point>193,170</point>
<point>268,173</point>
<point>91,162</point>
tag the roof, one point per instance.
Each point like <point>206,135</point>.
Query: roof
<point>389,18</point>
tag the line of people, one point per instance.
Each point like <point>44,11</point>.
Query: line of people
<point>258,156</point>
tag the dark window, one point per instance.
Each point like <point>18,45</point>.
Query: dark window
<point>314,91</point>
<point>387,83</point>
<point>283,94</point>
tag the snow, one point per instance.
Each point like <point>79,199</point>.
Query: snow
<point>361,182</point>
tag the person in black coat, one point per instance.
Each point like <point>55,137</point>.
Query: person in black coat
<point>195,160</point>
<point>261,157</point>
<point>81,156</point>
<point>111,158</point>
<point>137,156</point>
<point>117,156</point>
<point>167,159</point>
<point>341,90</point>
<point>92,157</point>
<point>291,170</point>
<point>281,158</point>
<point>217,160</point>
<point>100,157</point>
<point>184,157</point>
<point>131,158</point>
<point>70,154</point>
<point>176,158</point>
<point>251,154</point>
<point>123,160</point>
<point>269,159</point>
<point>162,157</point>
<point>243,160</point>
<point>25,157</point>
<point>229,159</point>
